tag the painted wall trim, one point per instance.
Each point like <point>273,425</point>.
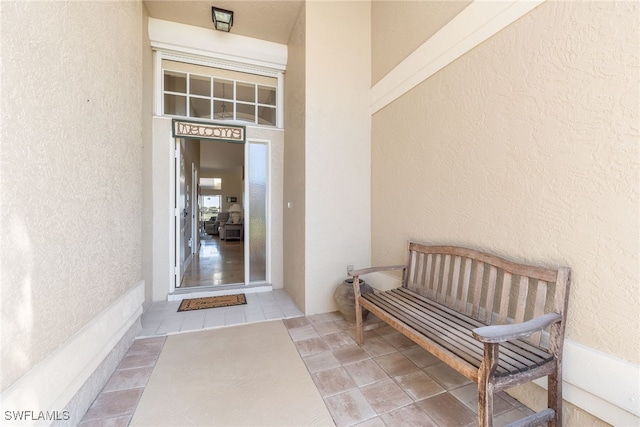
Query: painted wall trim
<point>598,383</point>
<point>52,384</point>
<point>181,38</point>
<point>475,24</point>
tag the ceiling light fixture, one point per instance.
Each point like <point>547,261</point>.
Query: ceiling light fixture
<point>222,19</point>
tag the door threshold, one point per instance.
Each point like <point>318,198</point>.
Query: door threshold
<point>217,290</point>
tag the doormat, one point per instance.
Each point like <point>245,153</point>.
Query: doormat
<point>212,302</point>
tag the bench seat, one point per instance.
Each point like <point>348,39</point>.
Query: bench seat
<point>450,333</point>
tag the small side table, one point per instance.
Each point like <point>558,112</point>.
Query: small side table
<point>233,231</point>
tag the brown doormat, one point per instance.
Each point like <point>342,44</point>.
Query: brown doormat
<point>212,302</point>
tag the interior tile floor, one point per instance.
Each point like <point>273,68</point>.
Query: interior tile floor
<point>389,381</point>
<point>218,262</point>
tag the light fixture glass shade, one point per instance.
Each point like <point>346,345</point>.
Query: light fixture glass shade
<point>222,19</point>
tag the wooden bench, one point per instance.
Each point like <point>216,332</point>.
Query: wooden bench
<point>496,322</point>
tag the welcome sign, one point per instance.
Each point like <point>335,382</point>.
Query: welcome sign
<point>200,130</point>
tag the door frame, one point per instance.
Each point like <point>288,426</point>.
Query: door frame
<point>175,242</point>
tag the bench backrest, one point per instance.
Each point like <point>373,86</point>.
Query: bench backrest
<point>488,288</point>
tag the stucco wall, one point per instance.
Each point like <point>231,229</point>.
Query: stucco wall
<point>71,181</point>
<point>147,199</point>
<point>294,164</point>
<point>337,144</point>
<point>527,146</point>
<point>402,27</point>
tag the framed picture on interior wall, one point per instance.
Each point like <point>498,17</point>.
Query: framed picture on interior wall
<point>232,199</point>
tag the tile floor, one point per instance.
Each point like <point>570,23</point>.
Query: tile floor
<point>163,317</point>
<point>388,381</point>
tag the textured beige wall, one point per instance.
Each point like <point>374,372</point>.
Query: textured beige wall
<point>527,146</point>
<point>402,26</point>
<point>147,199</point>
<point>71,181</point>
<point>338,146</point>
<point>294,164</point>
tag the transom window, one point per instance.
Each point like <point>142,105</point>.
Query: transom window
<point>218,95</point>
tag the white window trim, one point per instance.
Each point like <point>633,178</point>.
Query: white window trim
<point>198,46</point>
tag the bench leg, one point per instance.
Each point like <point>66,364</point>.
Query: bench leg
<point>485,387</point>
<point>554,380</point>
<point>359,333</point>
<point>554,396</point>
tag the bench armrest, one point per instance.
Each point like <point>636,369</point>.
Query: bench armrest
<point>363,271</point>
<point>502,333</point>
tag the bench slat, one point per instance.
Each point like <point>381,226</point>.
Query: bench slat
<point>454,329</point>
<point>462,303</point>
<point>523,293</point>
<point>477,290</point>
<point>491,289</point>
<point>453,295</point>
<point>538,309</point>
<point>504,299</point>
<point>439,336</point>
<point>442,297</point>
<point>470,323</point>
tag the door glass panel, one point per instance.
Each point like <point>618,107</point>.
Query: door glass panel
<point>257,212</point>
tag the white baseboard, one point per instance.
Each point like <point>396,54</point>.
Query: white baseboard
<point>50,385</point>
<point>603,385</point>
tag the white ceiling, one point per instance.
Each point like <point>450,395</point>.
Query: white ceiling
<point>261,19</point>
<point>220,155</point>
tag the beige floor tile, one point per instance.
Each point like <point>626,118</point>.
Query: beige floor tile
<point>333,382</point>
<point>311,346</point>
<point>321,362</point>
<point>109,422</point>
<point>326,328</point>
<point>303,333</point>
<point>399,341</point>
<point>419,385</point>
<point>373,422</point>
<point>421,357</point>
<point>447,411</point>
<point>446,376</point>
<point>408,416</point>
<point>468,394</point>
<point>385,396</point>
<point>350,354</point>
<point>378,346</point>
<point>349,408</point>
<point>396,364</point>
<point>113,404</point>
<point>366,372</point>
<point>339,339</point>
<point>123,379</point>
